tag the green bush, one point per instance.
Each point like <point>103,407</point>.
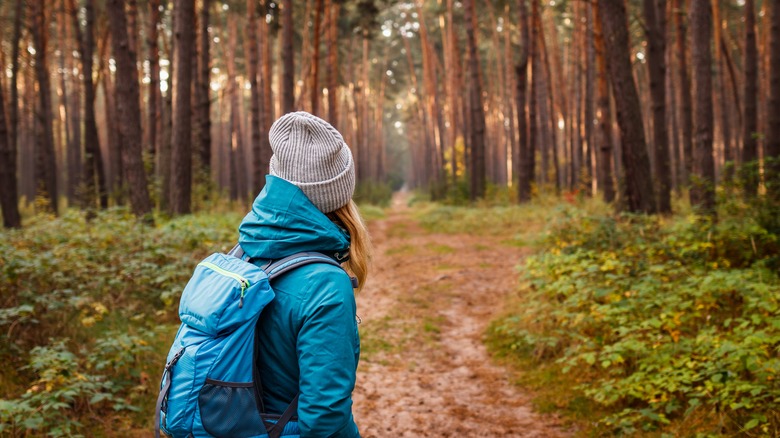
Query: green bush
<point>664,320</point>
<point>87,312</point>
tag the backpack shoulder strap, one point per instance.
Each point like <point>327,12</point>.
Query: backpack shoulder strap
<point>287,264</point>
<point>236,252</point>
<point>276,268</point>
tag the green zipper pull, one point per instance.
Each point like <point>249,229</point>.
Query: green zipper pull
<point>241,299</point>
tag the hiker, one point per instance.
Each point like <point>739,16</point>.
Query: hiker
<point>308,334</point>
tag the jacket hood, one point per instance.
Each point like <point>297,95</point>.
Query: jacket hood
<point>283,221</point>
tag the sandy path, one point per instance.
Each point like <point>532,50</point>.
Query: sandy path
<point>424,370</point>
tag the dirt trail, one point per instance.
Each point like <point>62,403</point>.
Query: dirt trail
<point>424,370</point>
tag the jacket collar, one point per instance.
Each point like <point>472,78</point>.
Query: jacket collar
<point>283,222</point>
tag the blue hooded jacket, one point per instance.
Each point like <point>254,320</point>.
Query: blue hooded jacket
<point>308,335</point>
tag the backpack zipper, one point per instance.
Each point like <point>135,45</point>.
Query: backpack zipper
<point>243,281</point>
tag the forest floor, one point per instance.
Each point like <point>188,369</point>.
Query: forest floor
<point>424,369</point>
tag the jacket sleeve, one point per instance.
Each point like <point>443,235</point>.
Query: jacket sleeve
<point>327,349</point>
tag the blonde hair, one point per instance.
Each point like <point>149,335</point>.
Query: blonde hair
<point>360,248</point>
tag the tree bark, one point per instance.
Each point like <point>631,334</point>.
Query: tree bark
<point>703,188</point>
<point>288,58</point>
<point>114,148</point>
<point>70,104</point>
<point>238,186</point>
<point>46,161</point>
<point>128,111</point>
<point>9,196</point>
<point>590,79</point>
<point>639,182</point>
<point>266,78</point>
<point>524,164</point>
<point>93,174</point>
<point>750,118</point>
<point>315,68</point>
<point>684,85</point>
<point>153,102</point>
<point>721,96</point>
<point>255,122</point>
<point>772,142</point>
<point>546,92</point>
<point>202,92</point>
<point>163,161</point>
<point>477,116</point>
<point>333,53</point>
<point>603,112</point>
<point>9,201</point>
<point>181,156</point>
<point>655,22</point>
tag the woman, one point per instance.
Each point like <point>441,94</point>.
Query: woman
<point>308,334</point>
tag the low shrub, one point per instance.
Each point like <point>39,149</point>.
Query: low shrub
<point>86,312</point>
<point>670,324</point>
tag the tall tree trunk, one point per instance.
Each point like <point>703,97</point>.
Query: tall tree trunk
<point>163,158</point>
<point>547,113</point>
<point>423,161</point>
<point>772,142</point>
<point>133,35</point>
<point>431,103</point>
<point>69,104</point>
<point>363,172</point>
<point>237,175</point>
<point>575,123</point>
<point>477,116</point>
<point>315,68</point>
<point>655,22</point>
<point>684,85</point>
<point>153,101</point>
<point>9,201</point>
<point>672,118</point>
<point>181,156</point>
<point>509,104</point>
<point>266,78</point>
<point>524,164</point>
<point>333,52</point>
<point>114,149</point>
<point>603,112</point>
<point>9,196</point>
<point>288,58</point>
<point>255,123</point>
<point>202,92</point>
<point>590,79</point>
<point>750,124</point>
<point>46,160</point>
<point>533,101</point>
<point>128,109</point>
<point>703,189</point>
<point>721,96</point>
<point>93,175</point>
<point>639,181</point>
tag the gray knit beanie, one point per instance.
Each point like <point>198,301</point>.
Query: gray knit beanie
<point>311,154</point>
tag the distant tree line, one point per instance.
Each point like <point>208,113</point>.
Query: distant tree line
<point>630,100</point>
<point>112,102</point>
<point>133,102</point>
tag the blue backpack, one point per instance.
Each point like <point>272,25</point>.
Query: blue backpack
<point>210,386</point>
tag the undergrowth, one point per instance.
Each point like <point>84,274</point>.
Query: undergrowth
<point>88,311</point>
<point>670,326</point>
<point>86,315</point>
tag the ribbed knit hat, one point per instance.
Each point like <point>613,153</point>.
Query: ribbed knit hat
<point>311,154</point>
